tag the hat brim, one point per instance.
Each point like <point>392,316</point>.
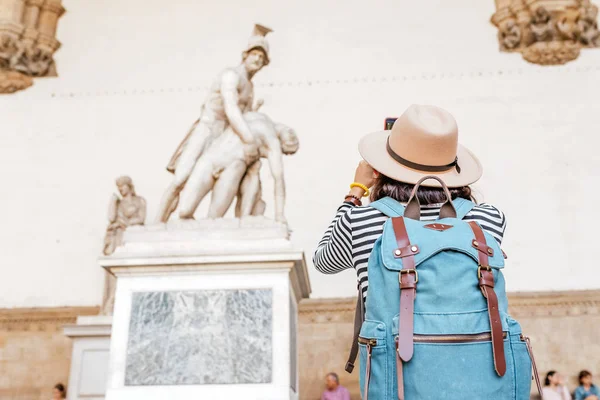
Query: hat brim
<point>373,149</point>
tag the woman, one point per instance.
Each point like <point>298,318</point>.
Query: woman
<point>586,390</point>
<point>59,393</point>
<point>554,388</point>
<point>423,141</point>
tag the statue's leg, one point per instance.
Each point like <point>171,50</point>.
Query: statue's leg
<point>109,242</point>
<point>199,184</point>
<point>249,191</point>
<point>259,205</point>
<point>225,189</point>
<point>185,165</point>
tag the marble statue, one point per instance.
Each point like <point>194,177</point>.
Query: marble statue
<point>126,211</point>
<point>225,169</point>
<point>230,96</point>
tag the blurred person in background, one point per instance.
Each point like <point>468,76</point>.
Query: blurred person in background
<point>586,390</point>
<point>334,391</point>
<point>59,392</point>
<point>555,388</point>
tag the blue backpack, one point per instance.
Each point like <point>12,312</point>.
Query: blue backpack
<point>436,323</point>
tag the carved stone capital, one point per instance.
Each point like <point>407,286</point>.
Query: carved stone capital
<point>28,43</point>
<point>547,32</point>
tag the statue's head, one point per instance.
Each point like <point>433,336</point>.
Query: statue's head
<point>254,59</point>
<point>256,54</point>
<point>287,138</point>
<point>125,185</point>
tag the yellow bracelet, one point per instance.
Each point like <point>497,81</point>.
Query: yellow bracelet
<point>363,187</point>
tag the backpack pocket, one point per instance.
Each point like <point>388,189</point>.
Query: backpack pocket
<point>521,359</point>
<point>463,366</point>
<point>373,360</point>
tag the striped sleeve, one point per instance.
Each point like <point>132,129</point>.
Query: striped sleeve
<point>334,252</point>
<point>490,218</point>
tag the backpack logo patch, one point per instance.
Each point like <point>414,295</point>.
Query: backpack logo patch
<point>438,227</point>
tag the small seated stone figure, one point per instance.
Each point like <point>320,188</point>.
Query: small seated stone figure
<point>126,211</point>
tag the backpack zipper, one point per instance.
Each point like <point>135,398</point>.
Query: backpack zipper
<point>370,342</point>
<point>464,338</point>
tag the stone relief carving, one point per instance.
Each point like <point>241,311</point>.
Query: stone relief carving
<point>509,35</point>
<point>222,150</point>
<point>127,210</point>
<point>546,32</point>
<point>27,41</point>
<point>187,337</point>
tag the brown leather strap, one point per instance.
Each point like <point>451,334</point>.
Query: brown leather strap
<point>399,374</point>
<point>408,285</point>
<point>407,251</point>
<point>536,375</point>
<point>486,284</point>
<point>368,373</point>
<point>359,317</point>
<point>483,248</point>
<point>480,239</point>
<point>413,207</point>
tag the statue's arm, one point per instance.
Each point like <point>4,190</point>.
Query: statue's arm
<point>229,83</point>
<point>275,159</point>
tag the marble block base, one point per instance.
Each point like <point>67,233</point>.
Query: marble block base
<point>90,357</point>
<point>193,322</point>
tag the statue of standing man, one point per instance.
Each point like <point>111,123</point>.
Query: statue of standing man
<point>230,96</point>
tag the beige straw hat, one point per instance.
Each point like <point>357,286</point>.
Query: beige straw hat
<point>423,141</point>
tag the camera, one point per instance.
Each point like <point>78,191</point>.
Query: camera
<point>389,122</point>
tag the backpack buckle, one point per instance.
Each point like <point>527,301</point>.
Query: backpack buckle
<point>408,271</point>
<point>483,267</point>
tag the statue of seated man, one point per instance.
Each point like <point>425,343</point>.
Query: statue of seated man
<point>227,171</point>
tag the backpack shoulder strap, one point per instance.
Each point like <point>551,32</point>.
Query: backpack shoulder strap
<point>462,207</point>
<point>389,207</point>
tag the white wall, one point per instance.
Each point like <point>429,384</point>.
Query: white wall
<point>132,77</point>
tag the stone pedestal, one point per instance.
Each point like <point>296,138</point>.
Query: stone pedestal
<point>89,360</point>
<point>206,310</point>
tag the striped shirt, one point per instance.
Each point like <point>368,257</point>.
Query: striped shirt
<point>348,241</point>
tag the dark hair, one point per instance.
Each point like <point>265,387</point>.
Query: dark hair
<point>61,388</point>
<point>584,374</point>
<point>549,375</point>
<point>334,376</point>
<point>387,187</point>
